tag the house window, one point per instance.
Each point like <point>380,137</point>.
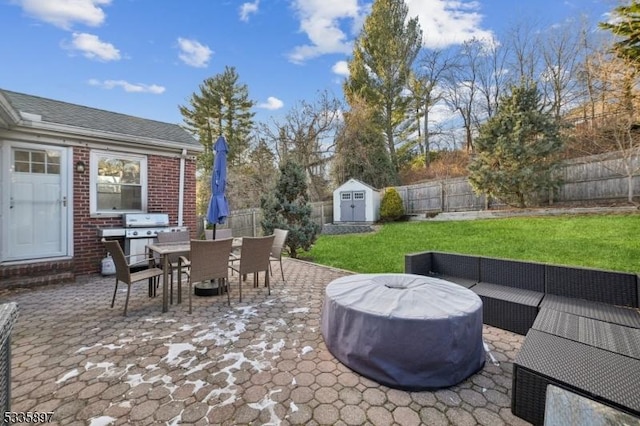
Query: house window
<point>118,182</point>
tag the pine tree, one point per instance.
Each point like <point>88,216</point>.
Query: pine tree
<point>222,108</point>
<point>517,150</point>
<point>627,26</point>
<point>288,208</point>
<point>379,70</point>
<point>360,150</point>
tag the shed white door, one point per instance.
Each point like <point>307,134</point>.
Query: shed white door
<point>38,203</point>
<point>353,206</point>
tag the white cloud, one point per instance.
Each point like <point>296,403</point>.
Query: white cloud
<point>247,9</point>
<point>128,87</point>
<point>320,20</point>
<point>272,103</point>
<point>341,68</point>
<point>193,53</point>
<point>93,48</point>
<point>64,13</point>
<point>448,22</point>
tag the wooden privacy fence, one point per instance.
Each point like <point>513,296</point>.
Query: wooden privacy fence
<point>586,179</point>
<point>246,223</point>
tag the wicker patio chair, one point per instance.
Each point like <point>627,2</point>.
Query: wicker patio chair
<point>123,272</point>
<point>277,249</point>
<point>254,258</point>
<point>209,260</point>
<point>173,237</point>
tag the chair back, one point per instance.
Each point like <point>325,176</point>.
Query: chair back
<point>123,273</point>
<point>220,234</point>
<point>172,237</point>
<point>210,259</point>
<point>255,254</point>
<point>279,242</point>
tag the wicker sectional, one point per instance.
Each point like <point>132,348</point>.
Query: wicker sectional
<point>8,317</point>
<point>582,325</point>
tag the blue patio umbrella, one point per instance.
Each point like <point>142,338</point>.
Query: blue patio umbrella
<point>218,206</point>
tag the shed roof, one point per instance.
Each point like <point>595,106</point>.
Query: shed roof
<point>64,113</point>
<point>360,182</point>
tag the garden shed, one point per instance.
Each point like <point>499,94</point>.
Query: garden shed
<point>355,201</point>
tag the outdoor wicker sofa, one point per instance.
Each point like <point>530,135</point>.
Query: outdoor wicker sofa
<point>582,326</point>
<point>511,291</point>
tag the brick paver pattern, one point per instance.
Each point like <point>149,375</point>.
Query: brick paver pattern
<point>262,361</point>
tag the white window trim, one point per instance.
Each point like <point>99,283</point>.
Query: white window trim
<point>93,181</point>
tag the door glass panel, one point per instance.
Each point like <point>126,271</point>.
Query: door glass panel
<point>53,162</point>
<point>346,196</point>
<point>34,161</point>
<point>358,195</point>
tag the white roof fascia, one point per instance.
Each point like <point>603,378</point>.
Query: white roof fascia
<point>8,115</point>
<point>84,133</point>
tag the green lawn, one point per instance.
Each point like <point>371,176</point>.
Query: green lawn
<point>599,241</point>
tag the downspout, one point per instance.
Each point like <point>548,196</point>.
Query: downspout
<point>181,191</point>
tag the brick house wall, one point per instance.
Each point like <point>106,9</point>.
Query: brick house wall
<point>163,180</point>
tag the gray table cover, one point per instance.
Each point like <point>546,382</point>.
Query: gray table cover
<point>405,331</point>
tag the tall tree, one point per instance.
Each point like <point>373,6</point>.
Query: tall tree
<point>463,87</point>
<point>626,25</point>
<point>249,182</point>
<point>360,150</point>
<point>379,70</point>
<point>426,87</point>
<point>305,135</point>
<point>517,150</point>
<point>616,81</point>
<point>560,48</point>
<point>222,107</point>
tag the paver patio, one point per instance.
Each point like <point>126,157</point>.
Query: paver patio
<point>262,361</point>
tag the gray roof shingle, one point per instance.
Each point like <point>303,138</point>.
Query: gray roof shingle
<point>64,113</point>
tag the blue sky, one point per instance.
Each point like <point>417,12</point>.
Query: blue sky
<point>146,57</point>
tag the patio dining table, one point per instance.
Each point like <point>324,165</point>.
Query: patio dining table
<point>182,248</point>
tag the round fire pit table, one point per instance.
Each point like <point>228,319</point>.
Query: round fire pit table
<point>404,331</point>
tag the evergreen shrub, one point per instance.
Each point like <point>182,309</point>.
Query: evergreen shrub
<point>391,208</point>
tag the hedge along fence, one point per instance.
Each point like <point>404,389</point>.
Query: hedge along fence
<point>594,178</point>
<point>246,223</point>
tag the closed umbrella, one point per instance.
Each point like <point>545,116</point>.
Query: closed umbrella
<point>218,206</point>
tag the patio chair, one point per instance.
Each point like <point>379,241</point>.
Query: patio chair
<point>173,237</point>
<point>278,248</point>
<point>209,260</point>
<point>123,272</point>
<point>254,258</point>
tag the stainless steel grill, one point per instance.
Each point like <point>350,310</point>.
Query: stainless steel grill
<point>139,230</point>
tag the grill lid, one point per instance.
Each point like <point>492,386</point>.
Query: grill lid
<point>145,220</point>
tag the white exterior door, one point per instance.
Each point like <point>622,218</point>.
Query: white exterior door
<point>38,203</point>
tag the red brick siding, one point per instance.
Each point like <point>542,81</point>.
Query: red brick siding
<point>163,176</point>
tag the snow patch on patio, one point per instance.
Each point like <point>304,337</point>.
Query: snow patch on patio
<point>200,347</point>
<point>101,421</point>
<point>175,349</point>
<point>69,375</point>
<point>268,404</point>
<point>220,336</point>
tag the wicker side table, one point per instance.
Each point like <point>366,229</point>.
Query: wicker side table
<point>8,316</point>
